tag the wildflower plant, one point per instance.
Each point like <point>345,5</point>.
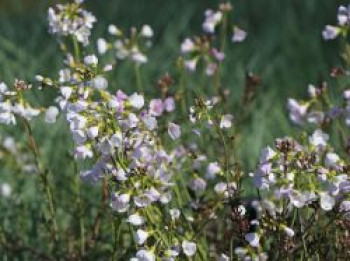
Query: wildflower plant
<point>158,178</point>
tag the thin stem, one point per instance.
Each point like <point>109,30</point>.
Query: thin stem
<point>138,78</point>
<point>43,174</point>
<point>76,49</point>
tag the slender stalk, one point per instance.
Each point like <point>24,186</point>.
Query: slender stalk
<point>76,49</point>
<point>43,174</point>
<point>138,78</point>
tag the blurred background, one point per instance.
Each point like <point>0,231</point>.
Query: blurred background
<point>284,47</point>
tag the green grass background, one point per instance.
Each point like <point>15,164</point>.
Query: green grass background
<point>284,47</point>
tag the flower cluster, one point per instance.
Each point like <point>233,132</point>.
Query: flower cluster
<point>12,104</point>
<point>206,48</point>
<point>318,110</point>
<point>127,47</point>
<point>331,32</point>
<point>71,20</point>
<point>172,184</point>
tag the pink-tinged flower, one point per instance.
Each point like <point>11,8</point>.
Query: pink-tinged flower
<point>197,184</point>
<point>139,58</point>
<point>169,104</point>
<point>188,46</point>
<point>120,203</point>
<point>174,131</point>
<point>212,19</point>
<point>156,107</point>
<point>211,69</point>
<point>82,152</point>
<point>330,32</point>
<point>219,56</point>
<point>343,15</point>
<point>191,65</point>
<point>239,35</point>
<point>212,170</point>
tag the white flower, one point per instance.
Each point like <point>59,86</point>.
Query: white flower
<point>90,60</point>
<point>267,154</point>
<point>137,101</point>
<point>191,65</point>
<point>82,152</point>
<point>189,248</point>
<point>312,90</point>
<point>120,203</point>
<point>197,184</point>
<point>223,257</point>
<point>51,114</point>
<point>319,139</point>
<point>141,236</point>
<point>297,111</point>
<point>213,169</point>
<point>226,121</point>
<point>289,232</point>
<point>211,69</point>
<point>239,35</point>
<point>102,46</point>
<point>331,159</point>
<point>150,122</point>
<point>220,187</point>
<point>242,210</point>
<point>99,83</point>
<point>5,190</point>
<point>146,31</point>
<point>113,30</point>
<point>240,251</point>
<point>139,57</point>
<point>92,132</point>
<point>174,213</point>
<point>136,220</point>
<point>327,202</point>
<point>144,255</point>
<point>174,131</point>
<point>253,239</point>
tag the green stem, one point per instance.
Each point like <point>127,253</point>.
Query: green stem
<point>76,49</point>
<point>43,174</point>
<point>138,78</point>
